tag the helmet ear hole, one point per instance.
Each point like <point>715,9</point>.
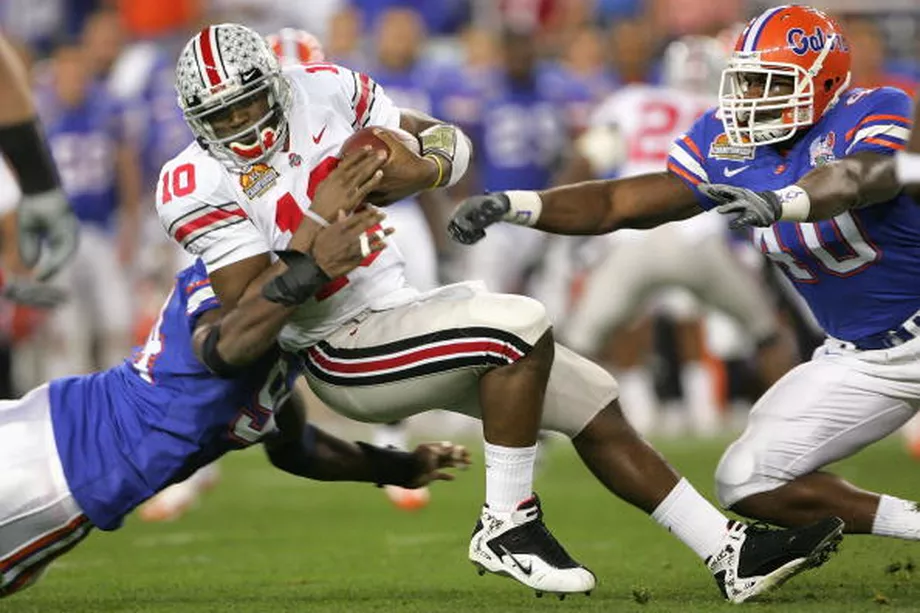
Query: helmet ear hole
<point>829,84</point>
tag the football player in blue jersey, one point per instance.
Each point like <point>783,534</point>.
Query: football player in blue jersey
<point>82,452</point>
<point>805,162</point>
<point>520,136</point>
<point>101,176</point>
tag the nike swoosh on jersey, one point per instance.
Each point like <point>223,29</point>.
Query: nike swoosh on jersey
<point>731,172</point>
<point>319,136</point>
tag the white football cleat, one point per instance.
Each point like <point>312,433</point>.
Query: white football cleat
<point>755,559</point>
<point>518,545</point>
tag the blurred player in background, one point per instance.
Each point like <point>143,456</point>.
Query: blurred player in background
<point>100,173</point>
<point>831,216</point>
<point>631,135</point>
<point>581,78</point>
<point>520,136</point>
<point>82,452</point>
<point>47,226</point>
<point>870,69</point>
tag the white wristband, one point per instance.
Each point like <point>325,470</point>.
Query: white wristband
<point>908,167</point>
<point>462,154</point>
<point>525,208</point>
<point>795,205</point>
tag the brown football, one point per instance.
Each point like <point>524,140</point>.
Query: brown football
<point>391,188</point>
<point>368,136</point>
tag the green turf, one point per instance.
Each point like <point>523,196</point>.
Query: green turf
<point>264,541</point>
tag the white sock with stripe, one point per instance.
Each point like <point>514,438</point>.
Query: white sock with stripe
<point>509,475</point>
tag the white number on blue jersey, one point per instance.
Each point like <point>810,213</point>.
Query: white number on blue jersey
<point>257,420</point>
<point>523,135</point>
<point>862,253</point>
<point>146,357</point>
<point>85,161</point>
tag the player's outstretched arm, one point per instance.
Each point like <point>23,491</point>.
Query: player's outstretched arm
<point>592,207</point>
<point>246,332</point>
<point>15,97</point>
<point>858,180</point>
<point>306,451</point>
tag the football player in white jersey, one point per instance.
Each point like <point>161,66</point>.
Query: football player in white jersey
<point>376,349</point>
<point>299,47</point>
<point>631,133</point>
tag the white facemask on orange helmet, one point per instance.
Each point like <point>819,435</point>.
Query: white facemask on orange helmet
<point>792,46</point>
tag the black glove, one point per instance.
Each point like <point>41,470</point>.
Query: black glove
<point>749,208</point>
<point>472,216</point>
<point>33,293</point>
<point>298,283</point>
<point>47,218</point>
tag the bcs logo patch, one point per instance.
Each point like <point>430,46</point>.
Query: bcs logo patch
<point>801,43</point>
<point>258,180</point>
<point>821,150</point>
<point>721,149</point>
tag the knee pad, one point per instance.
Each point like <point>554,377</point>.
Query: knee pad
<point>523,317</point>
<point>735,473</point>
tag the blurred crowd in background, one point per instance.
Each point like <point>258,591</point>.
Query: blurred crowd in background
<point>523,77</point>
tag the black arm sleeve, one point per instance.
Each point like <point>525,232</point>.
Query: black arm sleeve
<point>24,147</point>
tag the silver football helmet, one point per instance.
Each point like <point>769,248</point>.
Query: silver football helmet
<point>222,73</point>
<point>694,64</point>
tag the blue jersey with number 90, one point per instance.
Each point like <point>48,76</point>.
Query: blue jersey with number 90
<point>125,433</point>
<point>857,271</point>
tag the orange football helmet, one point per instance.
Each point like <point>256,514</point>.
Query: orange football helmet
<point>293,46</point>
<point>789,66</point>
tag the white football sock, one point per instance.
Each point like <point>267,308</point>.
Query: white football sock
<point>898,518</point>
<point>699,394</point>
<point>692,519</point>
<point>394,435</point>
<point>509,476</point>
<point>637,398</point>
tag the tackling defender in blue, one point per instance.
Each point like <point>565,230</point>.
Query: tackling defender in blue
<point>82,452</point>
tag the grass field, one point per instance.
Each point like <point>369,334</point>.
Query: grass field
<point>264,541</point>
